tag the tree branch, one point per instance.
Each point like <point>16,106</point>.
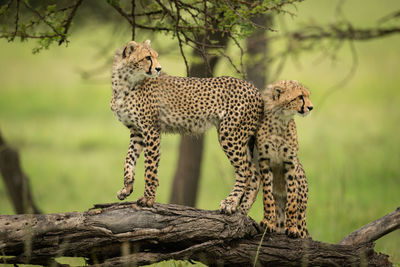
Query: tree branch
<point>16,20</point>
<point>374,230</point>
<point>120,11</point>
<point>133,7</point>
<point>42,18</point>
<point>340,33</point>
<point>124,233</point>
<point>68,21</point>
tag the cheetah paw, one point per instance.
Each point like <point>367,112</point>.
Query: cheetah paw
<point>122,194</point>
<point>227,206</point>
<point>145,201</point>
<point>243,211</point>
<point>244,208</point>
<point>292,232</point>
<point>269,227</point>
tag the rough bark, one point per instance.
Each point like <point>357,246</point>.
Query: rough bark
<point>15,180</point>
<point>124,233</point>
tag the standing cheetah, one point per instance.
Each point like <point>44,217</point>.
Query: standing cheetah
<point>285,189</point>
<point>149,103</point>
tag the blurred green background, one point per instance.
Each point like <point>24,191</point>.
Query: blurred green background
<point>73,148</point>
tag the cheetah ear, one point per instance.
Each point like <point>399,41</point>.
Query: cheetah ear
<point>147,42</point>
<point>129,48</point>
<point>276,92</point>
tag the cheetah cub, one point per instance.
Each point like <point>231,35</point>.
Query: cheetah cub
<point>285,189</point>
<point>148,103</point>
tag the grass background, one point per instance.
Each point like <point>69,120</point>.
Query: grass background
<point>72,146</point>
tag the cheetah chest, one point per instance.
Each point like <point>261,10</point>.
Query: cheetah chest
<point>278,153</point>
<point>126,108</point>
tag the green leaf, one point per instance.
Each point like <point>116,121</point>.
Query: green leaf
<point>51,8</point>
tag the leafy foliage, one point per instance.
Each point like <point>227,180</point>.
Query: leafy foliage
<point>199,24</point>
<point>193,22</point>
<point>47,23</point>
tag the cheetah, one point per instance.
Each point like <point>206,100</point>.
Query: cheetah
<point>149,103</point>
<point>285,188</point>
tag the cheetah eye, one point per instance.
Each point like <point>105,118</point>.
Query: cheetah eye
<point>148,57</point>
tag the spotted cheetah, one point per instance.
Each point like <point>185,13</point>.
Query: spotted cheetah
<point>285,188</point>
<point>149,102</point>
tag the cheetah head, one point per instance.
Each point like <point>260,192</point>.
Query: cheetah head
<point>290,97</point>
<point>140,59</point>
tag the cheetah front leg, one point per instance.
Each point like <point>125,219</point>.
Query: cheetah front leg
<point>135,148</point>
<point>151,159</point>
<point>291,209</point>
<point>302,200</point>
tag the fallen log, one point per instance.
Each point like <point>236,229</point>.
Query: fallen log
<point>124,233</point>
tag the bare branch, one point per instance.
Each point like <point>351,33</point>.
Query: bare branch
<point>133,19</point>
<point>140,26</point>
<point>41,17</point>
<point>183,54</point>
<point>374,230</point>
<point>68,21</point>
<point>390,16</point>
<point>177,32</point>
<point>230,61</point>
<point>16,21</point>
<point>346,79</point>
<point>30,36</point>
<point>336,32</point>
<point>242,69</point>
<point>147,14</point>
<point>120,11</point>
<point>168,12</point>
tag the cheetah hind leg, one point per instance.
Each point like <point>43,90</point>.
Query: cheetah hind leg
<point>235,147</point>
<point>250,194</point>
<point>230,204</point>
<point>292,206</point>
<point>302,199</point>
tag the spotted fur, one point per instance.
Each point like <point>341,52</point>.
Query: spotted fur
<point>149,103</point>
<point>285,189</point>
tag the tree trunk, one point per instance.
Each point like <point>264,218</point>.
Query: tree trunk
<point>187,174</point>
<point>257,50</point>
<point>125,234</point>
<point>15,180</point>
